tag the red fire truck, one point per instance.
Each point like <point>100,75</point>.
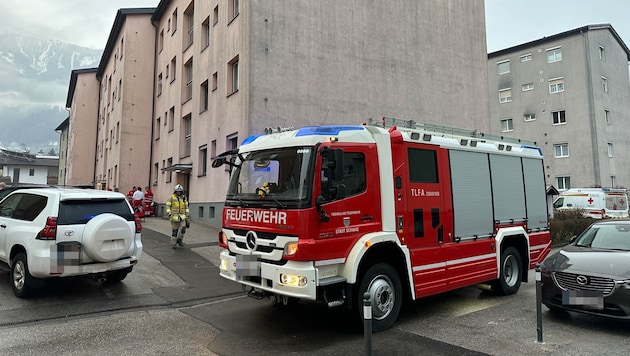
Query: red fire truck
<point>393,208</point>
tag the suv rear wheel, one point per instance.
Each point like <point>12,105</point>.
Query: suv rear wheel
<point>21,280</point>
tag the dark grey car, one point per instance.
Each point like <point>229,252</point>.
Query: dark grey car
<point>592,274</point>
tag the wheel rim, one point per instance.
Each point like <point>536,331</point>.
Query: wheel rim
<point>19,275</point>
<point>511,270</point>
<point>382,296</point>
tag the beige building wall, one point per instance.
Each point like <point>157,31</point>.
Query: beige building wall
<point>78,168</point>
<point>587,146</point>
<point>273,63</point>
<point>63,150</point>
<point>125,102</point>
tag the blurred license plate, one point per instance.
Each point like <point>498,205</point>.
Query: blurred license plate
<point>247,266</point>
<point>586,298</point>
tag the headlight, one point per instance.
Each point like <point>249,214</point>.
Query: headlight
<point>293,280</point>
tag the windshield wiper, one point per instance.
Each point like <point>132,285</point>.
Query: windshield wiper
<point>278,203</point>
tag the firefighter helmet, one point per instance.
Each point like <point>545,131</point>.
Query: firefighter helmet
<point>179,188</point>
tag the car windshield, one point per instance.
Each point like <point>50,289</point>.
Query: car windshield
<point>275,175</point>
<point>606,236</point>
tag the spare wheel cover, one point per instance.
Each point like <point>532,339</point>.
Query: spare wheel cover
<point>107,237</point>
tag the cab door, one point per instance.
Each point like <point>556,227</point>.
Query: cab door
<point>422,215</point>
<point>350,201</point>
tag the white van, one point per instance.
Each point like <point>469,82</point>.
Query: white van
<point>597,203</point>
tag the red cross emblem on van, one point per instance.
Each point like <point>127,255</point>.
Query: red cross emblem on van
<point>590,201</point>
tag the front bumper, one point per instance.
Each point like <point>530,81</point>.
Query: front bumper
<point>269,278</point>
<point>615,306</point>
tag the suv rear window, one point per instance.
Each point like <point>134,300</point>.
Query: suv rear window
<point>81,211</point>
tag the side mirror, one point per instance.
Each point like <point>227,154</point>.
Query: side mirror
<point>334,165</point>
<point>218,162</point>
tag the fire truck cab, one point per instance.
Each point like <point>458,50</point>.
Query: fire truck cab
<point>393,208</point>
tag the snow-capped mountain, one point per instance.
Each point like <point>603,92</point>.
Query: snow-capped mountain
<point>35,75</point>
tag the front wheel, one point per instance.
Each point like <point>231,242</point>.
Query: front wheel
<point>383,285</point>
<point>510,274</point>
<point>21,279</point>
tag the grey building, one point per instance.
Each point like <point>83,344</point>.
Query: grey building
<point>570,93</point>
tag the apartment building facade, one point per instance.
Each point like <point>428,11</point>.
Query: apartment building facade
<point>570,93</point>
<point>123,129</point>
<point>227,69</point>
<point>79,129</point>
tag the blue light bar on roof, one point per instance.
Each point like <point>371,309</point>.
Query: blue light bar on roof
<point>329,130</point>
<point>250,139</point>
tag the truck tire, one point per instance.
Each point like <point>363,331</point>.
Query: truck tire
<point>382,282</point>
<point>21,279</point>
<point>510,273</point>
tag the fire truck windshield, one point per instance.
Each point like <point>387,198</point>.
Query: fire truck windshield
<point>275,175</point>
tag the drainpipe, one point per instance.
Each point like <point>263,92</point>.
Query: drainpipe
<point>155,46</point>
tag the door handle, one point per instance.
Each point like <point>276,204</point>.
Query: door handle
<point>367,217</point>
<point>3,226</point>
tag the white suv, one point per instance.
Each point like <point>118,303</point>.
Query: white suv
<point>62,232</point>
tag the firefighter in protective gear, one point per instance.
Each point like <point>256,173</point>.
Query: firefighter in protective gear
<point>179,215</point>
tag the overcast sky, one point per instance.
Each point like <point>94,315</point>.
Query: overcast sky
<point>508,22</point>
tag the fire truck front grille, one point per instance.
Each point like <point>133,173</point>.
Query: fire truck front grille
<point>569,281</point>
<point>261,235</point>
<point>265,249</point>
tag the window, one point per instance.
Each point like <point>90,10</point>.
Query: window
<point>526,57</point>
<point>556,85</point>
<point>203,160</point>
<point>203,97</point>
<point>168,67</point>
<point>190,22</point>
<point>187,124</point>
<point>561,150</point>
<point>171,119</point>
<point>529,117</point>
<point>213,149</point>
<point>507,125</point>
<point>173,68</point>
<point>563,182</point>
<point>156,169</point>
<point>231,143</point>
<point>613,181</point>
<point>31,171</point>
<point>159,85</point>
<point>559,117</point>
<point>119,89</point>
<point>215,15</point>
<point>157,128</point>
<point>505,95</point>
<point>602,53</point>
<point>424,166</point>
<point>174,21</point>
<point>232,9</point>
<point>354,176</point>
<point>503,67</point>
<point>554,54</point>
<point>233,75</point>
<point>607,116</point>
<point>188,70</point>
<point>161,41</point>
<point>205,33</point>
<point>527,87</point>
<point>215,81</point>
<point>605,84</point>
<point>610,149</point>
<point>169,174</point>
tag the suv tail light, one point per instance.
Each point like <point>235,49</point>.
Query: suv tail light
<point>49,232</point>
<point>136,219</point>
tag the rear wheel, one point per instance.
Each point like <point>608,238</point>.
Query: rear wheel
<point>21,279</point>
<point>510,274</point>
<point>383,285</point>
